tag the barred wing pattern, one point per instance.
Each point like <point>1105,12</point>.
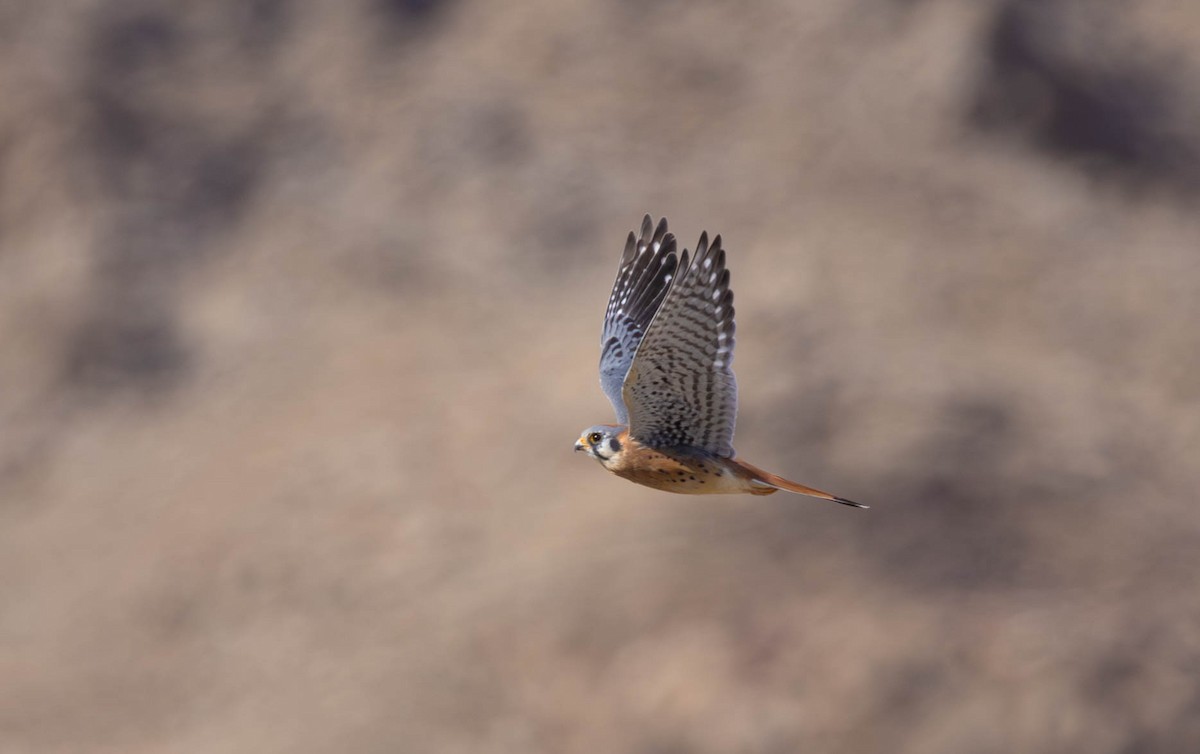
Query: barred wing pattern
<point>643,279</point>
<point>680,390</point>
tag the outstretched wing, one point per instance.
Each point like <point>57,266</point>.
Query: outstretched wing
<point>643,279</point>
<point>680,389</point>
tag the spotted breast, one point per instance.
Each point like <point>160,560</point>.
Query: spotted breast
<point>687,471</point>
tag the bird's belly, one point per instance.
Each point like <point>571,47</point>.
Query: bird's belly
<point>686,476</point>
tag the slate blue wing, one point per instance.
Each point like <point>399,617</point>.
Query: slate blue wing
<point>643,279</point>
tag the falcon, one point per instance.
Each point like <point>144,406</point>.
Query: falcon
<point>665,364</point>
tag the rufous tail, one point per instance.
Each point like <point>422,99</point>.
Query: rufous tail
<point>777,482</point>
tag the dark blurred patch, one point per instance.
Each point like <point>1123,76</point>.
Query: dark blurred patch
<point>1180,734</point>
<point>955,522</point>
<point>171,177</point>
<point>408,18</point>
<point>126,45</point>
<point>126,345</point>
<point>260,24</point>
<point>1115,679</point>
<point>1118,686</point>
<point>410,11</point>
<point>640,8</point>
<point>1112,113</point>
<point>180,167</point>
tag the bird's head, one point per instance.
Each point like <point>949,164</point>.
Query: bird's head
<point>601,442</point>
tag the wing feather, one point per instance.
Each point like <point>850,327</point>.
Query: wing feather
<point>643,278</point>
<point>680,389</point>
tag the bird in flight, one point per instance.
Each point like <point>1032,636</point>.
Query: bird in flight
<point>665,357</point>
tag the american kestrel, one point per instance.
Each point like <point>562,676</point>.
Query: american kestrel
<point>665,357</point>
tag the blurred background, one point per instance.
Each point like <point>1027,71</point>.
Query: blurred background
<point>299,318</point>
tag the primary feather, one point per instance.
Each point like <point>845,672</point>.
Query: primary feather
<point>643,279</point>
<point>680,389</point>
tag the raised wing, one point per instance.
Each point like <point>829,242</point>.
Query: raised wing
<point>643,279</point>
<point>680,389</point>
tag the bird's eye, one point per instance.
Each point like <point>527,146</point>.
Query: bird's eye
<point>595,437</point>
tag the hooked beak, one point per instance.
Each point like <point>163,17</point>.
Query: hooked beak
<point>580,445</point>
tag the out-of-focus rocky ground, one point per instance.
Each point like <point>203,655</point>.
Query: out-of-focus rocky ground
<point>299,316</point>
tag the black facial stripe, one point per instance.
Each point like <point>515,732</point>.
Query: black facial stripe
<point>615,445</point>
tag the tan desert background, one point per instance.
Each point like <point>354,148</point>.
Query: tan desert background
<point>299,318</point>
